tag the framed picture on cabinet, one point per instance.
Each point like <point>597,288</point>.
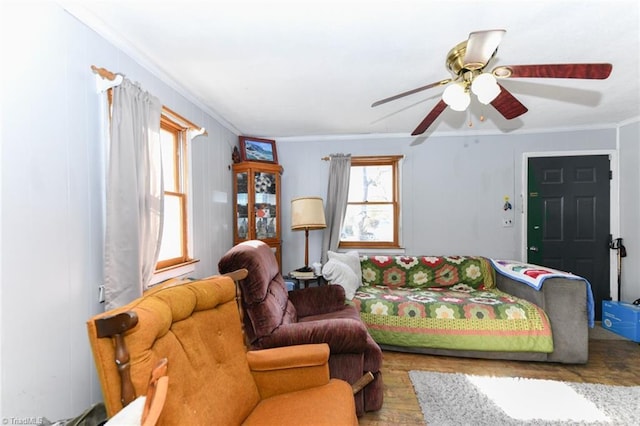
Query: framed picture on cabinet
<point>256,149</point>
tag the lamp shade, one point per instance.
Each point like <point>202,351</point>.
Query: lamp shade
<point>307,213</point>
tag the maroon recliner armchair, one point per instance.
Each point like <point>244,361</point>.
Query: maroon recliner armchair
<point>274,317</point>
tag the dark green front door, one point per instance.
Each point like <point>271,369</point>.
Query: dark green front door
<point>568,218</point>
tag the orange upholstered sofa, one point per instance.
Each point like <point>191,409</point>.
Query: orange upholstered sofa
<point>213,378</point>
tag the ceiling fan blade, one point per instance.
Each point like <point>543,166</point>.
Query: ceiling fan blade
<point>410,92</point>
<point>586,71</point>
<point>481,46</point>
<point>508,105</point>
<point>430,118</point>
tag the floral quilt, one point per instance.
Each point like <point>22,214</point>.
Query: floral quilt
<point>447,303</point>
<point>427,271</point>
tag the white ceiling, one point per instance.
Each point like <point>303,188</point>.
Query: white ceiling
<point>307,68</point>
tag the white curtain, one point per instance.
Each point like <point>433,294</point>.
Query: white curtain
<point>336,204</point>
<point>134,194</point>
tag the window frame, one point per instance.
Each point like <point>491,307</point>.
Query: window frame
<point>181,173</point>
<point>379,160</point>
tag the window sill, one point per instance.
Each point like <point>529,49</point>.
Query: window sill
<point>372,251</point>
<point>173,272</point>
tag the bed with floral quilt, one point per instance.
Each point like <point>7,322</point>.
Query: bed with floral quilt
<point>446,302</point>
<point>468,306</point>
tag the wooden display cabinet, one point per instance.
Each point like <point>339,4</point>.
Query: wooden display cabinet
<point>256,192</point>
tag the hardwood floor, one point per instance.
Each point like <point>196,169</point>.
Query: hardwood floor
<point>611,361</point>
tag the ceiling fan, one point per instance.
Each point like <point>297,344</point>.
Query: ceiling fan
<point>467,62</point>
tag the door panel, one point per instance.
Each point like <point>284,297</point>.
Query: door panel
<point>568,217</point>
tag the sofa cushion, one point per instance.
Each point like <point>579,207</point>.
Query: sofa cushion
<point>339,273</point>
<point>303,407</point>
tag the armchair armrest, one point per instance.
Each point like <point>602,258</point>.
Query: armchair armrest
<point>317,300</point>
<point>343,335</point>
<point>289,368</point>
<point>565,303</point>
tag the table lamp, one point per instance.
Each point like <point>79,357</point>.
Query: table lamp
<point>307,213</point>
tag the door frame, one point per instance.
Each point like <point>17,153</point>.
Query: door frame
<point>614,204</point>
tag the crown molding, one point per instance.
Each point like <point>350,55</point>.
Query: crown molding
<point>75,9</point>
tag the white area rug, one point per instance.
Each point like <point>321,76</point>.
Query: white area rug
<point>460,399</point>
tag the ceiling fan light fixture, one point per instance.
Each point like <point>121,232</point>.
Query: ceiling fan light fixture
<point>457,97</point>
<point>467,62</point>
<point>485,88</point>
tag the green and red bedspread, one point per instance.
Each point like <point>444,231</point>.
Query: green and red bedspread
<point>446,303</point>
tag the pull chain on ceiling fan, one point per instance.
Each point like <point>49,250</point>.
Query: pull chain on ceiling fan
<point>467,61</point>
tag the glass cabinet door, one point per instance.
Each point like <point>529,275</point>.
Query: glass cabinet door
<point>256,203</point>
<point>265,205</point>
<point>242,205</point>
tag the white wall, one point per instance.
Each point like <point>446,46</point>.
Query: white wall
<point>453,188</point>
<point>630,209</point>
<point>52,204</point>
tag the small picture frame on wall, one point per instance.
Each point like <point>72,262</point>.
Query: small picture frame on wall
<point>257,149</point>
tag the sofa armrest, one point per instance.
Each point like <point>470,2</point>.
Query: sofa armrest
<point>565,303</point>
<point>343,335</point>
<point>290,368</point>
<point>317,300</point>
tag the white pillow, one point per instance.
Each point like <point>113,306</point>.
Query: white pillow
<point>351,258</point>
<point>336,272</point>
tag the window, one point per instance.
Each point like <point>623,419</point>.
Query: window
<point>373,209</point>
<point>174,249</point>
<point>174,258</point>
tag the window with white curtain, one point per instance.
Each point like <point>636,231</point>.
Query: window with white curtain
<point>176,133</point>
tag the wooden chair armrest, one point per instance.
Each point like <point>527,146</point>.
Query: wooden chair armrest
<point>115,327</point>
